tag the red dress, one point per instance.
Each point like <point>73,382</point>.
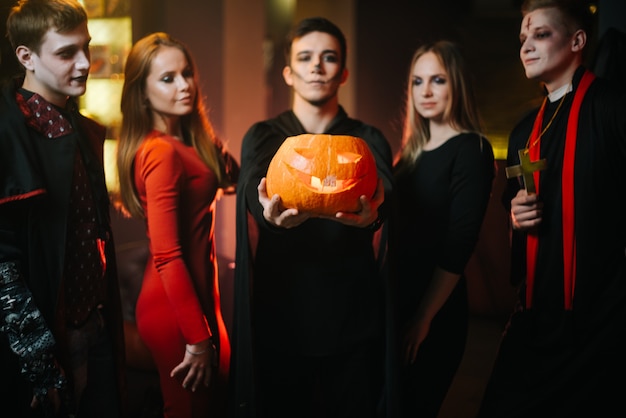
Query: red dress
<point>179,301</point>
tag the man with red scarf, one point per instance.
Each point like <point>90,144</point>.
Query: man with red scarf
<point>562,354</point>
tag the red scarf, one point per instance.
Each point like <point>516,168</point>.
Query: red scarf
<point>567,205</point>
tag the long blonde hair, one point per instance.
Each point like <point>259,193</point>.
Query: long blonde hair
<point>461,112</point>
<point>137,120</point>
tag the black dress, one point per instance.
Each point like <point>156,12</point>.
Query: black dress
<point>441,204</point>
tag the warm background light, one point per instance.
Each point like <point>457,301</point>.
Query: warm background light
<point>111,39</point>
<point>110,166</point>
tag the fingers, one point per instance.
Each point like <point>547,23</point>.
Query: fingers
<point>196,368</point>
<point>368,212</point>
<point>262,192</point>
<point>262,187</point>
<point>526,210</point>
<point>370,205</point>
<point>524,217</point>
<point>194,380</point>
<point>273,211</point>
<point>271,205</point>
<point>275,214</point>
<point>192,376</point>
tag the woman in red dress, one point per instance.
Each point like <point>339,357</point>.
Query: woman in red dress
<point>171,169</point>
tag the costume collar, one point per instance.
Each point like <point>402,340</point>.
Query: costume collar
<point>560,92</point>
<point>43,116</point>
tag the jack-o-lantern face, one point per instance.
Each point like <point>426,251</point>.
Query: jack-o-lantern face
<point>324,174</point>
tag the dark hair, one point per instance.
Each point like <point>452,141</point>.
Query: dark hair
<point>576,13</point>
<point>316,24</point>
<point>29,20</point>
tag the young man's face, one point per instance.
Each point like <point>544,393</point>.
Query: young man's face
<point>61,67</point>
<point>546,46</point>
<point>315,71</point>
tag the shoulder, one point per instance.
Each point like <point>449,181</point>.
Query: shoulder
<point>366,131</point>
<point>157,150</point>
<point>471,143</point>
<point>265,137</point>
<point>157,142</point>
<point>477,142</point>
<point>284,124</point>
<point>9,110</point>
<point>374,134</point>
<point>258,129</point>
<point>473,149</point>
<point>607,94</point>
<point>370,134</point>
<point>91,126</point>
<point>5,107</point>
<point>605,107</point>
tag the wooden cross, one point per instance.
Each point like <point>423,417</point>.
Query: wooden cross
<point>525,169</point>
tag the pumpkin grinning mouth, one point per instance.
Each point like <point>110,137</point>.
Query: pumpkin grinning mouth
<point>328,185</point>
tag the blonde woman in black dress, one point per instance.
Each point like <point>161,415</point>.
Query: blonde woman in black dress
<point>444,175</point>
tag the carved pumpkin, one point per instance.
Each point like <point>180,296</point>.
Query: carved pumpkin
<point>323,174</point>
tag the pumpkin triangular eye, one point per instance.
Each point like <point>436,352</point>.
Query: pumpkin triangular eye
<point>301,162</point>
<point>347,157</point>
<point>307,153</point>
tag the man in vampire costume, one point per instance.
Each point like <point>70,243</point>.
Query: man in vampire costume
<point>563,350</point>
<point>61,341</point>
<point>309,303</point>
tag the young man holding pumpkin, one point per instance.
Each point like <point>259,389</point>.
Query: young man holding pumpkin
<point>309,293</point>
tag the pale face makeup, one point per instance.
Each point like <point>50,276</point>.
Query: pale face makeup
<point>61,67</point>
<point>546,48</point>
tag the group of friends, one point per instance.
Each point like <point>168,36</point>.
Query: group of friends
<point>361,314</point>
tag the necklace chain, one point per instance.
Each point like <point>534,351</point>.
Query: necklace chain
<point>528,144</point>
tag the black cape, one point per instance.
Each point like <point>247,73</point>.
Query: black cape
<point>556,362</point>
<point>259,146</point>
<point>35,180</point>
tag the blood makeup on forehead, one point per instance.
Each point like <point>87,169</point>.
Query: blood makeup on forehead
<point>528,23</point>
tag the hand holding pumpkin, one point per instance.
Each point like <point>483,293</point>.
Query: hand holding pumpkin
<point>369,209</point>
<point>275,213</point>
